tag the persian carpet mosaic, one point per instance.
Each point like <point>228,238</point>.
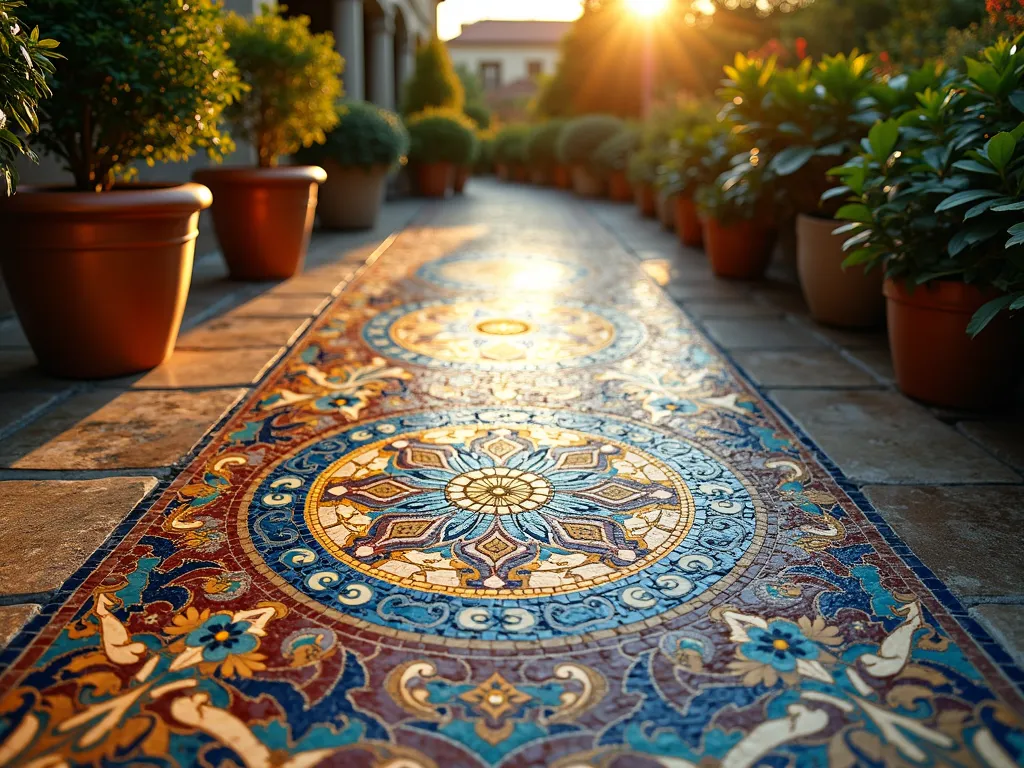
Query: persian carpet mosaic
<point>505,506</point>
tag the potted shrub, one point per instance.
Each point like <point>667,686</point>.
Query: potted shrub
<point>357,156</point>
<point>440,140</point>
<point>99,270</point>
<point>643,166</point>
<point>577,144</point>
<point>264,215</point>
<point>736,211</point>
<point>935,200</point>
<point>509,152</point>
<point>612,159</point>
<point>434,82</point>
<point>541,154</point>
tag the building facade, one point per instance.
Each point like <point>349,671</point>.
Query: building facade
<point>506,53</point>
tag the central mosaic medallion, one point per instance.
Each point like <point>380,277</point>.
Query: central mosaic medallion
<point>467,524</point>
<point>503,334</point>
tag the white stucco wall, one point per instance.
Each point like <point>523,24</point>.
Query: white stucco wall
<point>514,59</point>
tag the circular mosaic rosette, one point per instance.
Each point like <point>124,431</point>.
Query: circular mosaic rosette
<point>525,525</point>
<point>503,335</point>
<point>502,273</point>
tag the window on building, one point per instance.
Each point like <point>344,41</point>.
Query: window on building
<point>535,68</point>
<point>490,74</point>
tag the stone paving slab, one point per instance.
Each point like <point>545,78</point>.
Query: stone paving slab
<point>759,333</point>
<point>881,437</point>
<point>205,368</point>
<point>280,305</point>
<point>802,368</point>
<point>730,309</point>
<point>59,523</point>
<point>105,429</point>
<point>236,332</point>
<point>970,536</point>
<point>1003,439</point>
<point>19,405</point>
<point>13,618</point>
<point>1006,624</point>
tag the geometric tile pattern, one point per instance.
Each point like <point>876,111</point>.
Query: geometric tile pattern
<point>418,545</point>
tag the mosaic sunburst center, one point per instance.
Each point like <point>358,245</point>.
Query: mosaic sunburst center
<point>498,491</point>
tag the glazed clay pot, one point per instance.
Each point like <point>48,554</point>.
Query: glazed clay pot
<point>561,177</point>
<point>646,200</point>
<point>740,250</point>
<point>688,226</point>
<point>462,174</point>
<point>263,217</point>
<point>434,179</point>
<point>935,360</point>
<point>586,183</point>
<point>845,298</point>
<point>351,198</point>
<point>667,210</point>
<point>540,176</point>
<point>619,189</point>
<point>99,281</point>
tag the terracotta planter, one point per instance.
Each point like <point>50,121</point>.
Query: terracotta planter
<point>99,281</point>
<point>434,179</point>
<point>462,174</point>
<point>846,298</point>
<point>540,176</point>
<point>520,174</point>
<point>263,217</point>
<point>688,226</point>
<point>667,210</point>
<point>351,198</point>
<point>619,188</point>
<point>586,183</point>
<point>561,177</point>
<point>502,172</point>
<point>646,201</point>
<point>740,250</point>
<point>935,360</point>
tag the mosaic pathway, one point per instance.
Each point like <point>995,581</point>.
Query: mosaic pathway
<point>503,505</point>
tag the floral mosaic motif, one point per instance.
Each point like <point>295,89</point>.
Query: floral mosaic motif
<point>502,272</point>
<point>504,333</point>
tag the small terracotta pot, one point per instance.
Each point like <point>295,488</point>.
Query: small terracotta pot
<point>646,200</point>
<point>462,174</point>
<point>688,226</point>
<point>561,177</point>
<point>845,298</point>
<point>351,198</point>
<point>540,176</point>
<point>935,360</point>
<point>740,250</point>
<point>619,189</point>
<point>586,183</point>
<point>520,174</point>
<point>434,179</point>
<point>263,217</point>
<point>502,172</point>
<point>99,281</point>
<point>667,210</point>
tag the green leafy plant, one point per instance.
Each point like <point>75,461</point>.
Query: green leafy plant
<point>542,144</point>
<point>484,162</point>
<point>293,78</point>
<point>441,136</point>
<point>744,193</point>
<point>510,145</point>
<point>366,136</point>
<point>614,153</point>
<point>434,82</point>
<point>478,113</point>
<point>25,64</point>
<point>581,137</point>
<point>146,80</point>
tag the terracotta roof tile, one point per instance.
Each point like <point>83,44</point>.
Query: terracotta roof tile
<point>492,32</point>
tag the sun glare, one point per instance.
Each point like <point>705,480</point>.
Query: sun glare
<point>647,9</point>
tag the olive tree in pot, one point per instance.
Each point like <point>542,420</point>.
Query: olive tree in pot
<point>577,144</point>
<point>264,215</point>
<point>440,140</point>
<point>358,154</point>
<point>99,271</point>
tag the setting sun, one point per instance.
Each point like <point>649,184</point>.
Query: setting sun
<point>647,8</point>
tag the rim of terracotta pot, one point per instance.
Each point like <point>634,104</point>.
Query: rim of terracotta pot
<point>947,295</point>
<point>370,170</point>
<point>51,200</point>
<point>282,174</point>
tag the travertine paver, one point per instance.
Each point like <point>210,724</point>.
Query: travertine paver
<point>802,368</point>
<point>59,523</point>
<point>13,618</point>
<point>969,536</point>
<point>881,437</point>
<point>759,333</point>
<point>205,368</point>
<point>280,305</point>
<point>235,332</point>
<point>109,430</point>
<point>19,405</point>
<point>1006,623</point>
<point>1005,438</point>
<point>731,309</point>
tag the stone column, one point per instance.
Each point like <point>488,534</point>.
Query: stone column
<point>348,33</point>
<point>382,69</point>
<point>406,60</point>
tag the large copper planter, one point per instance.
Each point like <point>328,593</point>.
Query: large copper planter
<point>99,281</point>
<point>263,217</point>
